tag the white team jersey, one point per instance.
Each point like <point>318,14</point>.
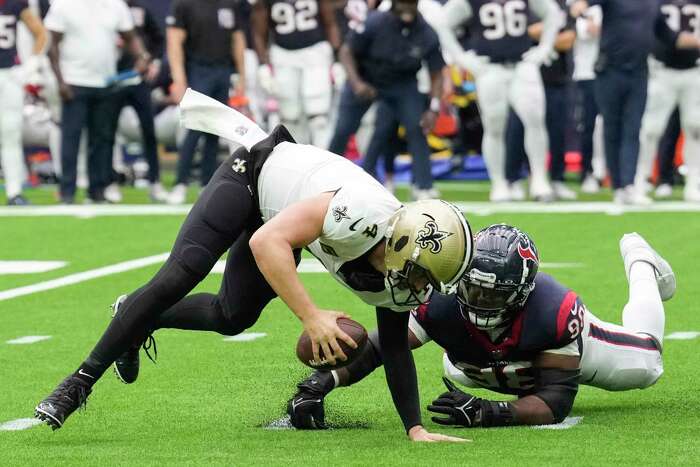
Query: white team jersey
<point>357,216</point>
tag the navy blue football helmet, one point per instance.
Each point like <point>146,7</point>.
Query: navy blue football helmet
<point>500,277</point>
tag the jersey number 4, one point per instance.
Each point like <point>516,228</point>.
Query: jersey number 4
<point>500,20</point>
<point>298,17</point>
<point>7,31</point>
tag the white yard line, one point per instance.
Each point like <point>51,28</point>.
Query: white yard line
<point>20,424</point>
<point>683,335</point>
<point>567,423</point>
<point>245,337</point>
<point>475,208</point>
<point>29,267</point>
<point>83,276</point>
<point>27,340</point>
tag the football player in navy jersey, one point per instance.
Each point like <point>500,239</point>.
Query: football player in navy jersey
<point>505,64</point>
<point>518,331</point>
<point>296,41</point>
<point>12,78</point>
<point>674,75</point>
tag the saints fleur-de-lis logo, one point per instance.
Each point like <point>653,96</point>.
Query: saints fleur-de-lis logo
<point>239,165</point>
<point>431,237</point>
<point>340,213</point>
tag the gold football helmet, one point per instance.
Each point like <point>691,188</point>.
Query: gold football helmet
<point>428,240</point>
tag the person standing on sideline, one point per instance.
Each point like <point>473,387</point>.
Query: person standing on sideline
<point>12,78</point>
<point>204,42</point>
<point>83,56</point>
<point>381,61</point>
<point>585,55</point>
<point>628,33</point>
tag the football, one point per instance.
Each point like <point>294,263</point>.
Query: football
<point>352,328</point>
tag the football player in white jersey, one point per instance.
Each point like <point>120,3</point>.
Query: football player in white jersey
<point>295,41</point>
<point>265,203</point>
<point>12,80</point>
<point>674,80</point>
<point>506,68</point>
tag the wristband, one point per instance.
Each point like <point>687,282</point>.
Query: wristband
<point>435,105</point>
<point>496,414</point>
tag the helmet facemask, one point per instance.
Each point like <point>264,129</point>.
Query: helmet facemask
<point>412,286</point>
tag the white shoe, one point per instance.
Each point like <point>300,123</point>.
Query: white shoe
<point>636,196</point>
<point>561,191</point>
<point>178,195</point>
<point>620,196</point>
<point>663,191</point>
<point>691,194</point>
<point>541,192</point>
<point>517,191</point>
<point>634,248</point>
<point>500,193</point>
<point>420,195</point>
<point>157,193</point>
<point>113,194</point>
<point>590,185</point>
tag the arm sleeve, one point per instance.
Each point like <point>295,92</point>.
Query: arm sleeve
<point>154,35</point>
<point>663,32</point>
<point>399,366</point>
<point>450,17</point>
<point>55,19</point>
<point>126,22</point>
<point>552,20</point>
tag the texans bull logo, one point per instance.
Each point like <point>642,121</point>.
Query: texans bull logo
<point>526,251</point>
<point>431,237</point>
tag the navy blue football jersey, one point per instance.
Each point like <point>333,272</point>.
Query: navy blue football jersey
<point>295,24</point>
<point>552,318</point>
<point>680,15</point>
<point>498,29</point>
<point>10,10</point>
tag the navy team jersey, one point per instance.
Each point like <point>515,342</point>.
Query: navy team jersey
<point>552,318</point>
<point>680,15</point>
<point>10,10</point>
<point>295,24</point>
<point>498,29</point>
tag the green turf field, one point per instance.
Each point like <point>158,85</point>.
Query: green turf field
<point>207,400</point>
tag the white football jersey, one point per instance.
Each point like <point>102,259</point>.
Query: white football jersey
<point>357,216</point>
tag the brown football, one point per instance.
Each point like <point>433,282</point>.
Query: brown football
<point>352,328</point>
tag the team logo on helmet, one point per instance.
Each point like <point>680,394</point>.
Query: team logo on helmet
<point>340,213</point>
<point>526,252</point>
<point>431,237</point>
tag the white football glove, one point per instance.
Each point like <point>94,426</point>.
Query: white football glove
<point>539,56</point>
<point>31,71</point>
<point>266,80</point>
<point>472,62</point>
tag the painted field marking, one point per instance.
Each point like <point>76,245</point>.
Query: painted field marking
<point>29,267</point>
<point>28,340</point>
<point>567,423</point>
<point>683,335</point>
<point>245,337</point>
<point>473,208</point>
<point>284,423</point>
<point>83,276</point>
<point>20,424</point>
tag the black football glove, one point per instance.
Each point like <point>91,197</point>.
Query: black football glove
<point>305,409</point>
<point>462,409</point>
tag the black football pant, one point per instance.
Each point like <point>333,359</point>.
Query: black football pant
<point>223,218</point>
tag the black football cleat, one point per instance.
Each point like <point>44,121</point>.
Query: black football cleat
<point>126,366</point>
<point>68,396</point>
<point>305,409</point>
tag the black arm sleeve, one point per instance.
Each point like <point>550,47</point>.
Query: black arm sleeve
<point>557,388</point>
<point>153,36</point>
<point>399,366</point>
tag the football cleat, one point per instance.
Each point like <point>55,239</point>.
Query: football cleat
<point>68,396</point>
<point>634,248</point>
<point>305,409</point>
<point>126,366</point>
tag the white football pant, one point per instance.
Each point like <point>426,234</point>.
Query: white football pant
<point>667,89</point>
<point>519,86</point>
<point>11,150</point>
<point>303,89</point>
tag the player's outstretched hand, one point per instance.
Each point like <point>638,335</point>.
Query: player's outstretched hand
<point>324,333</point>
<point>418,433</point>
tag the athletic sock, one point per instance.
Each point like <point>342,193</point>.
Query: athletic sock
<point>644,312</point>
